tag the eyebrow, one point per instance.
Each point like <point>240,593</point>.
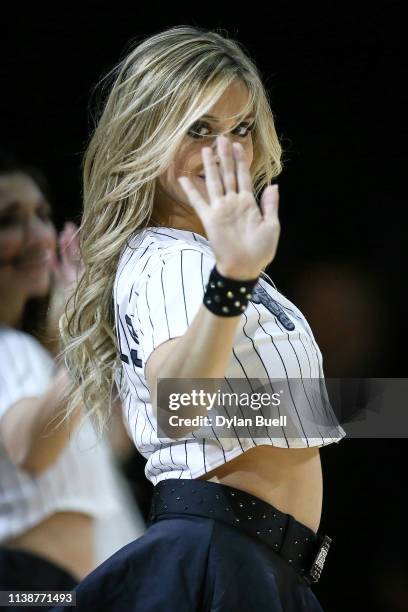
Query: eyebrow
<point>14,205</point>
<point>251,116</point>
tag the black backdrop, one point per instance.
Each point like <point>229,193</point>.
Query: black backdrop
<point>335,75</point>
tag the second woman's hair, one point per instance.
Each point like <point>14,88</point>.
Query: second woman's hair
<point>34,320</point>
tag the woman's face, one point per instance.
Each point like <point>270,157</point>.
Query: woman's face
<point>188,160</point>
<point>27,238</point>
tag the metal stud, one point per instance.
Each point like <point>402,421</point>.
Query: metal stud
<point>258,533</point>
<point>264,516</point>
<point>276,545</point>
<point>290,560</point>
<point>212,285</point>
<point>225,309</point>
<point>232,494</point>
<point>227,509</point>
<point>230,294</point>
<point>280,528</point>
<point>237,520</point>
<point>241,505</point>
<point>250,518</point>
<point>248,296</point>
<point>243,307</point>
<point>307,539</point>
<point>270,530</point>
<point>296,541</point>
<point>300,554</point>
<point>208,301</point>
<point>220,283</point>
<point>242,289</point>
<point>178,498</point>
<point>217,298</point>
<point>253,503</point>
<point>237,303</point>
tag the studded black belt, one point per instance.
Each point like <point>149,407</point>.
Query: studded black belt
<point>301,547</point>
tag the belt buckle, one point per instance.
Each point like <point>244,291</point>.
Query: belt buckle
<point>317,566</point>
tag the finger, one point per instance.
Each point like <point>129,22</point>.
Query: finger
<point>54,262</point>
<point>213,181</point>
<point>56,267</point>
<point>72,226</point>
<point>194,196</point>
<point>270,202</point>
<point>66,252</point>
<point>226,155</point>
<point>69,241</point>
<point>243,174</point>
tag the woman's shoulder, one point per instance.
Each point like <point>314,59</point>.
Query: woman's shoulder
<point>26,367</point>
<point>152,247</point>
<point>166,239</point>
<point>19,343</point>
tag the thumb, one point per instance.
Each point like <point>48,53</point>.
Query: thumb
<point>270,201</point>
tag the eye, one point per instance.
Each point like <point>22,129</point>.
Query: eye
<point>248,127</point>
<point>44,213</point>
<point>195,130</point>
<point>8,221</point>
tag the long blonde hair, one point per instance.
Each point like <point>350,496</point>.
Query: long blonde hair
<point>162,86</point>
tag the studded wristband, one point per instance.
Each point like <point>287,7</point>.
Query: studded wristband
<point>227,297</point>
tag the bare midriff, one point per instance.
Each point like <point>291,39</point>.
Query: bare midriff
<point>288,478</point>
<point>64,538</point>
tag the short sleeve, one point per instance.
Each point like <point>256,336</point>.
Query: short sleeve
<point>26,368</point>
<point>171,295</point>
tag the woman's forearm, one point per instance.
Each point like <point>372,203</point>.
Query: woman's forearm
<point>29,430</point>
<point>202,352</point>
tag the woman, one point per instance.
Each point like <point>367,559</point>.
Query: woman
<point>50,496</point>
<point>173,232</point>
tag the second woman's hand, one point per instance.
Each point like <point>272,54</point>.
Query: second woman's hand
<point>69,268</point>
<point>243,237</point>
<point>67,271</point>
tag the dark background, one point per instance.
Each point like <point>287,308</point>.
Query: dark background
<point>335,75</point>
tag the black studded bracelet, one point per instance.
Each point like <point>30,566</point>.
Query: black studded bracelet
<point>227,297</point>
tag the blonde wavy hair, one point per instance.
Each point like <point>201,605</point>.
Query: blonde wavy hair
<point>162,86</point>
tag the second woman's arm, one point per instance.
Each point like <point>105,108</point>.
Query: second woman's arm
<point>28,428</point>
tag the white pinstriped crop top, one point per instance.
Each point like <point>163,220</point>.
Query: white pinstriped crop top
<point>159,287</point>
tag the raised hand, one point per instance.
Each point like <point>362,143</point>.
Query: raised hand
<point>243,237</point>
<point>66,271</point>
<point>69,268</point>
